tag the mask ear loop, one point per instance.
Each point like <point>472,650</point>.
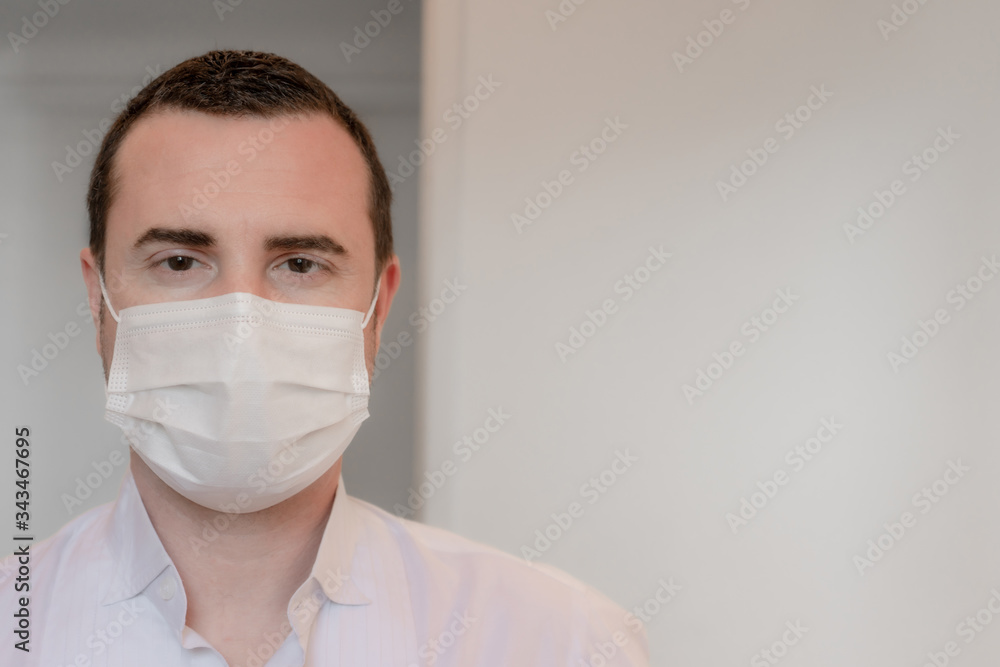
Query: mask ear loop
<point>371,309</point>
<point>104,292</point>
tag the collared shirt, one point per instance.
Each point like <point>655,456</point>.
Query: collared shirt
<point>383,591</point>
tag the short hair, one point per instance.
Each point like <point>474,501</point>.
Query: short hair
<point>242,84</point>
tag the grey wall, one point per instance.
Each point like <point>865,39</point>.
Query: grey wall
<point>619,383</point>
<point>54,91</point>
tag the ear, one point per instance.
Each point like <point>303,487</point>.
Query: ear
<point>88,264</point>
<point>391,275</point>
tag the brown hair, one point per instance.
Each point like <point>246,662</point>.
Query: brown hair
<point>237,83</point>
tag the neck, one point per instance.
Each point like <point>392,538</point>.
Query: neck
<point>255,562</point>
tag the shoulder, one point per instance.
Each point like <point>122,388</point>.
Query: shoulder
<point>39,579</point>
<point>525,599</point>
<point>476,563</point>
<point>67,558</point>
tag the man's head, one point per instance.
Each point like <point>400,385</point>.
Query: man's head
<point>239,171</point>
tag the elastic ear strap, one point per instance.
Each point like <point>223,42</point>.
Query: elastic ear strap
<point>104,291</point>
<point>371,309</point>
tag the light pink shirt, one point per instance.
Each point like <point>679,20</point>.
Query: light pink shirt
<point>383,591</point>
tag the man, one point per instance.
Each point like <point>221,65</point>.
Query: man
<point>240,267</point>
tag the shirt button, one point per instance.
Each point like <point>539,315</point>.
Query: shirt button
<point>167,588</point>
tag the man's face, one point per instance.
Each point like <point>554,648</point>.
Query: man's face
<point>209,205</point>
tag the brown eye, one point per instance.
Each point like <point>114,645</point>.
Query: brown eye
<point>301,265</point>
<point>179,263</point>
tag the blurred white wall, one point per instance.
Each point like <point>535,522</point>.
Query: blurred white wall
<point>836,106</point>
<point>56,90</point>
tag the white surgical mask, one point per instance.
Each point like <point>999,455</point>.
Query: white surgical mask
<point>238,402</point>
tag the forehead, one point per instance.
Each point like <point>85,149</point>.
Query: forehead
<point>243,173</point>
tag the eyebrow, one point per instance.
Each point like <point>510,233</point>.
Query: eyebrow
<point>320,242</point>
<point>198,239</point>
<point>186,237</point>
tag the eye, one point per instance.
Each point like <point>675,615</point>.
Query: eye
<point>303,265</point>
<point>179,262</point>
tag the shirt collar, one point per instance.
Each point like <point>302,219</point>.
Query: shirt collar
<point>340,568</point>
<point>137,554</point>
